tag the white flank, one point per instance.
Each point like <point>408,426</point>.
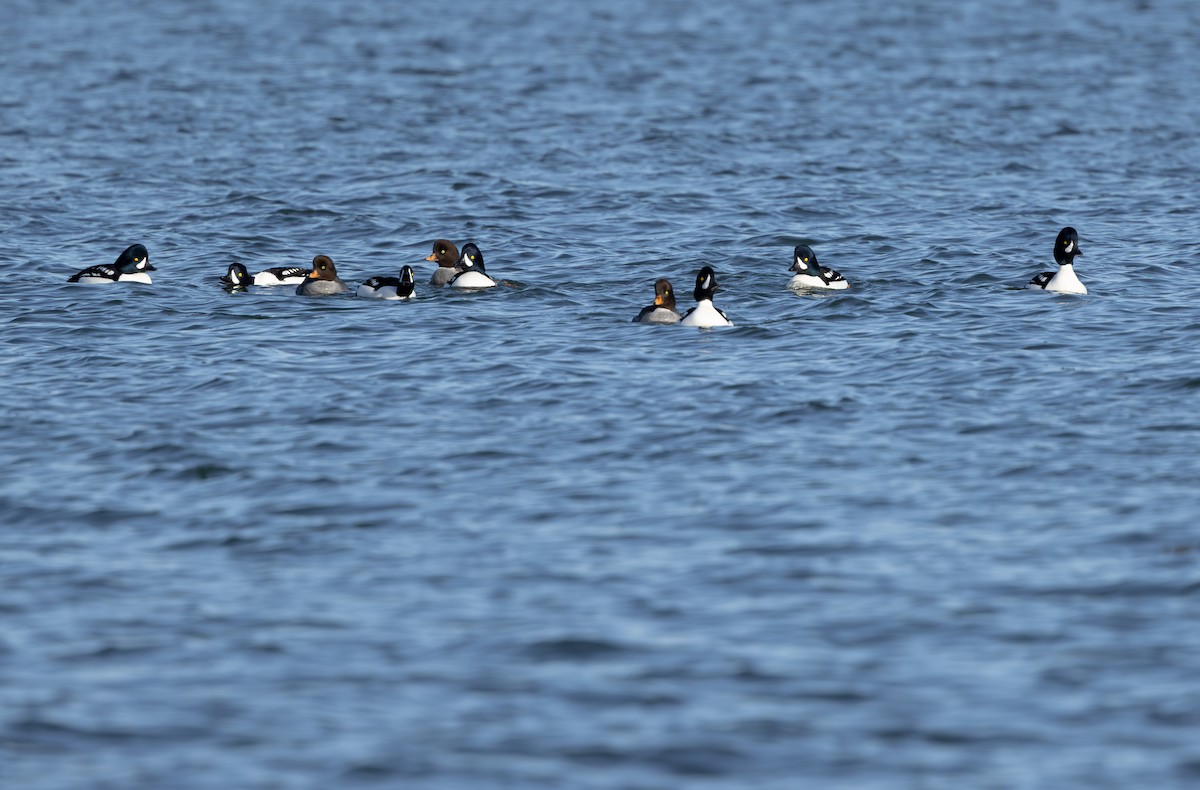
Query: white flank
<point>473,280</point>
<point>266,278</point>
<point>802,281</point>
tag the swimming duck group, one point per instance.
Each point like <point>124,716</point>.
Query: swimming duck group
<point>466,270</point>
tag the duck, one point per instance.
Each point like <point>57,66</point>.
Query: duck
<point>1064,281</point>
<point>471,273</point>
<point>810,274</point>
<point>131,266</point>
<point>705,314</point>
<point>237,278</point>
<point>389,287</point>
<point>446,255</point>
<point>322,280</point>
<point>282,275</point>
<point>663,310</point>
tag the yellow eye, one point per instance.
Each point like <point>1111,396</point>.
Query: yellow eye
<point>806,260</point>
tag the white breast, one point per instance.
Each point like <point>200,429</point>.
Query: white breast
<point>704,316</point>
<point>1066,281</point>
<point>136,277</point>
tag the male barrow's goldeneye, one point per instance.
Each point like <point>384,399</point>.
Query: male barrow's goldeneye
<point>810,274</point>
<point>663,310</point>
<point>239,276</point>
<point>471,273</point>
<point>1064,281</point>
<point>704,314</point>
<point>131,266</point>
<point>446,255</point>
<point>389,287</point>
<point>322,280</point>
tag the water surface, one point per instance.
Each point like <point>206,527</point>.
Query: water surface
<point>933,531</point>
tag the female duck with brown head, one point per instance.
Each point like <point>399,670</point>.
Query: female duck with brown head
<point>322,280</point>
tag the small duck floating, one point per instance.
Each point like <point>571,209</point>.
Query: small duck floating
<point>705,315</point>
<point>663,310</point>
<point>322,280</point>
<point>239,276</point>
<point>446,255</point>
<point>401,287</point>
<point>811,274</point>
<point>131,266</point>
<point>471,273</point>
<point>1064,281</point>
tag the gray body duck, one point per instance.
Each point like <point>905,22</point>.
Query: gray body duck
<point>322,280</point>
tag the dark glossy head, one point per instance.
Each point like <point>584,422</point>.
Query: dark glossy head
<point>445,253</point>
<point>323,269</point>
<point>804,261</point>
<point>471,259</point>
<point>237,275</point>
<point>1066,246</point>
<point>664,294</point>
<point>134,259</point>
<point>407,282</point>
<point>706,283</point>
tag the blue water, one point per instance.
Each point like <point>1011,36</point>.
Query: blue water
<point>933,531</point>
